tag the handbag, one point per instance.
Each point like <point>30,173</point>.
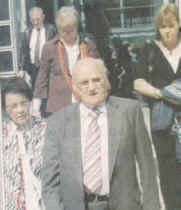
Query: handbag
<point>162,115</point>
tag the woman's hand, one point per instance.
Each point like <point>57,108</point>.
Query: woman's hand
<point>157,94</point>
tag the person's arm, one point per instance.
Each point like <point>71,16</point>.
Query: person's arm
<point>146,89</point>
<point>173,101</point>
<point>146,161</point>
<point>50,175</point>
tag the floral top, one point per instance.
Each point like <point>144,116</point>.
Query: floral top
<point>14,170</point>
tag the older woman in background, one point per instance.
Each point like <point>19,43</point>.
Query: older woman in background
<point>58,57</point>
<point>158,66</point>
<point>23,137</point>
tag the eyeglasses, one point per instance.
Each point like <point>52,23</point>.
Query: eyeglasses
<point>85,84</point>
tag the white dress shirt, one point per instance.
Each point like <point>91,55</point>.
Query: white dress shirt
<point>103,124</point>
<point>32,43</point>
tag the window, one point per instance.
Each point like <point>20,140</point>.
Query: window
<point>131,15</point>
<point>4,10</point>
<point>7,39</point>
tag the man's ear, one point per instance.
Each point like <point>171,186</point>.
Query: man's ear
<point>7,110</point>
<point>43,17</point>
<point>76,92</point>
<point>75,88</point>
<point>107,83</point>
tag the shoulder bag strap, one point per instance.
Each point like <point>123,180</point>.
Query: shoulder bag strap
<point>63,67</point>
<point>83,50</point>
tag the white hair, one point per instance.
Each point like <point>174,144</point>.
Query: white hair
<point>67,14</point>
<point>35,10</point>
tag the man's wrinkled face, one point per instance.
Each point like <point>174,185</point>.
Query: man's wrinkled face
<point>37,19</point>
<point>91,84</point>
<point>17,107</point>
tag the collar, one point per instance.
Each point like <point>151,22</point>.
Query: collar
<point>85,110</point>
<point>42,28</point>
<point>13,128</point>
<point>67,46</point>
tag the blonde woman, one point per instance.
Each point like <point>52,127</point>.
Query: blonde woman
<point>159,64</point>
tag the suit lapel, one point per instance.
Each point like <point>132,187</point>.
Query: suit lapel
<point>73,141</point>
<point>29,34</point>
<point>114,138</point>
<point>46,32</point>
<point>66,61</point>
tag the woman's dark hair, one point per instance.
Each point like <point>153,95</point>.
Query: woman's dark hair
<point>16,86</point>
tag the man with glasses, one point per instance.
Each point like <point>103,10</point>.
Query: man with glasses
<point>91,147</point>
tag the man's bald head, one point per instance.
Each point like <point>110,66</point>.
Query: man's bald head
<point>91,62</point>
<point>90,81</point>
<point>36,17</point>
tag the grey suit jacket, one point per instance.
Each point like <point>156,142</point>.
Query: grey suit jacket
<point>62,178</point>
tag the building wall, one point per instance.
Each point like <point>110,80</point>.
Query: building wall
<point>20,18</point>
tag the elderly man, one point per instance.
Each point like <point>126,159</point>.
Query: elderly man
<point>58,58</point>
<point>34,37</point>
<point>90,150</point>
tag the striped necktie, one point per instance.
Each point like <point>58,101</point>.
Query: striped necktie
<point>92,156</point>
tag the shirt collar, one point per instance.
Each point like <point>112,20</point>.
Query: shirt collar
<point>85,110</point>
<point>13,128</point>
<point>67,46</point>
<point>41,28</point>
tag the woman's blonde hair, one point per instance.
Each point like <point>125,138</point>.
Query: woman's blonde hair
<point>165,9</point>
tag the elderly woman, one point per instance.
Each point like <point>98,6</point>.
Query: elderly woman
<point>159,64</point>
<point>58,57</point>
<point>22,143</point>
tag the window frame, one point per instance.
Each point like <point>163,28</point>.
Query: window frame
<point>12,47</point>
<point>146,30</point>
